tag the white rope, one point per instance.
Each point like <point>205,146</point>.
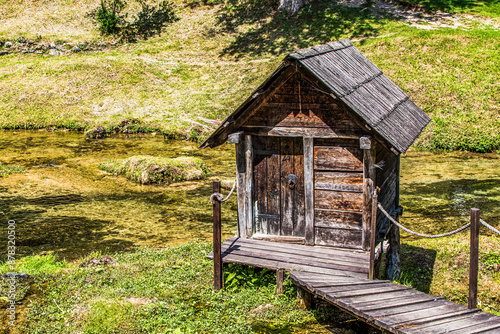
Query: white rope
<point>489,226</point>
<point>395,222</point>
<point>218,197</point>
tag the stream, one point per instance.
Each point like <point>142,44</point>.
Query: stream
<point>64,203</point>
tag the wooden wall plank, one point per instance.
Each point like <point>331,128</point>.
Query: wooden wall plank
<point>344,201</point>
<point>287,163</point>
<point>260,179</point>
<point>309,189</point>
<point>274,186</point>
<point>338,181</point>
<point>338,219</point>
<point>338,237</point>
<point>298,192</point>
<point>338,158</point>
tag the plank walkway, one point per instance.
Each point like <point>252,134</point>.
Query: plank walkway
<point>339,277</point>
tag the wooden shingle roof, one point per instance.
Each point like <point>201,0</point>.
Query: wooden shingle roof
<point>358,83</point>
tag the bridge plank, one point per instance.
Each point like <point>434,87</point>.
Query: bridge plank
<point>444,325</point>
<point>483,327</point>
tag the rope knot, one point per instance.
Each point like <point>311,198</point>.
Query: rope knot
<point>216,197</point>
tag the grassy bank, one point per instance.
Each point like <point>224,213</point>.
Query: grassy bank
<point>157,170</point>
<point>160,291</point>
<point>169,290</point>
<point>205,64</point>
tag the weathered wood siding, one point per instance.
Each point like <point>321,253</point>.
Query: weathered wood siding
<point>338,193</point>
<point>387,180</point>
<point>299,109</point>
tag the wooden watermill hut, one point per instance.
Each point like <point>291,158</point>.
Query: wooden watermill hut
<point>313,143</point>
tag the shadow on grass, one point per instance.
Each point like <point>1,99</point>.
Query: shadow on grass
<point>262,29</point>
<point>417,267</point>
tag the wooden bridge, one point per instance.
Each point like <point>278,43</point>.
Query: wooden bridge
<point>338,276</point>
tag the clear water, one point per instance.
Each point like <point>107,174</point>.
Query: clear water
<point>64,203</point>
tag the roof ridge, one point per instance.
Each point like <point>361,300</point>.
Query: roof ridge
<point>321,49</point>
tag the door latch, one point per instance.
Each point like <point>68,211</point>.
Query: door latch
<point>292,181</point>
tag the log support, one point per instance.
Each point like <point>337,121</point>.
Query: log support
<point>393,261</point>
<point>280,278</point>
<point>474,257</point>
<point>305,298</point>
<point>218,274</point>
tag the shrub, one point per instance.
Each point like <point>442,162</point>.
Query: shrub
<point>147,22</point>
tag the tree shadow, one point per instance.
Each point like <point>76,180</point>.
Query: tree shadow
<point>263,30</point>
<point>417,267</point>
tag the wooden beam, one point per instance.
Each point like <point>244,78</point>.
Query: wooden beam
<point>474,257</point>
<point>235,138</point>
<point>368,190</point>
<point>240,189</point>
<point>309,189</point>
<point>248,186</point>
<point>373,236</point>
<point>294,131</point>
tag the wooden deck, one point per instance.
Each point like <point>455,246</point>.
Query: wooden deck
<point>339,277</point>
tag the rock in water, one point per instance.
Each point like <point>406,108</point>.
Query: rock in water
<point>8,44</point>
<point>76,49</point>
<point>96,133</point>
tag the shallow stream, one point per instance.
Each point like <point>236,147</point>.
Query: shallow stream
<point>64,203</point>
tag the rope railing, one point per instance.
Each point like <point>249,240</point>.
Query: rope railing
<point>395,222</point>
<point>491,228</point>
<point>219,197</point>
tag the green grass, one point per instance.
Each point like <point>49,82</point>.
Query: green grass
<point>441,267</point>
<point>149,170</point>
<point>6,170</point>
<point>160,290</point>
<point>206,64</point>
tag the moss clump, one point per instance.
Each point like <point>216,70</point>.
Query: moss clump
<point>157,170</point>
<point>7,170</point>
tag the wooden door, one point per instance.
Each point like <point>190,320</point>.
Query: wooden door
<point>338,193</point>
<point>278,207</point>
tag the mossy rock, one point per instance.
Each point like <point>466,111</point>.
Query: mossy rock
<point>157,170</point>
<point>97,132</point>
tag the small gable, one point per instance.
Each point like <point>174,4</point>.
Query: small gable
<point>301,108</point>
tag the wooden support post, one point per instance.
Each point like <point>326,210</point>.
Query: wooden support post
<point>240,189</point>
<point>393,260</point>
<point>280,277</point>
<point>218,282</point>
<point>249,186</point>
<point>373,235</point>
<point>305,298</point>
<point>309,189</point>
<point>368,148</point>
<point>474,257</point>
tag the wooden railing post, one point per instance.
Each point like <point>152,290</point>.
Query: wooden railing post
<point>218,274</point>
<point>373,234</point>
<point>474,257</point>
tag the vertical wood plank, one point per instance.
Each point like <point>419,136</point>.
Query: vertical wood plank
<point>217,240</point>
<point>280,277</point>
<point>260,184</point>
<point>368,188</point>
<point>372,235</point>
<point>287,161</point>
<point>474,257</point>
<point>240,189</point>
<point>249,221</point>
<point>298,192</point>
<point>274,185</point>
<point>308,147</point>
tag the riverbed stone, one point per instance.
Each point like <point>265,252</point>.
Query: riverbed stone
<point>76,49</point>
<point>53,52</point>
<point>8,44</point>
